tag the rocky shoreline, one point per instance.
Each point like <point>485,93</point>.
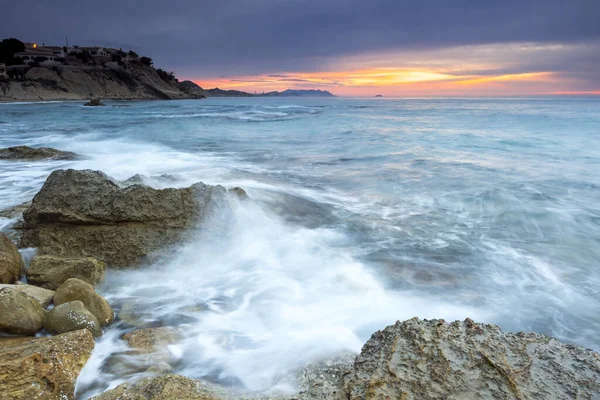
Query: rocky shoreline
<point>83,223</point>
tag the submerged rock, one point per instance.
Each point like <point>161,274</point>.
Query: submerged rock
<point>87,214</point>
<point>43,368</point>
<point>94,103</point>
<point>69,317</point>
<point>19,313</point>
<point>36,153</point>
<point>239,192</point>
<point>77,290</point>
<point>11,262</point>
<point>151,338</point>
<point>41,295</point>
<point>50,272</point>
<point>420,359</point>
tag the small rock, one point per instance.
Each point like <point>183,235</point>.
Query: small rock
<point>94,103</point>
<point>239,192</point>
<point>69,317</point>
<point>50,272</point>
<point>151,338</point>
<point>16,211</point>
<point>160,369</point>
<point>36,153</point>
<point>41,295</point>
<point>11,262</point>
<point>19,313</point>
<point>75,289</point>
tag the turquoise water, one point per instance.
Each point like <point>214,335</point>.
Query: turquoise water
<point>362,212</point>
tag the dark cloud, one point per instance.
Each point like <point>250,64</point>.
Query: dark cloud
<point>232,37</point>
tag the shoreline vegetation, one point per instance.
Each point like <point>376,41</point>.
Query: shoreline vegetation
<point>31,72</point>
<point>84,223</point>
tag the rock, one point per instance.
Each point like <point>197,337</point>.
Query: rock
<point>19,313</point>
<point>16,211</point>
<point>77,290</point>
<point>160,369</point>
<point>69,317</point>
<point>43,368</point>
<point>420,359</point>
<point>165,387</point>
<point>11,262</point>
<point>50,272</point>
<point>87,214</point>
<point>36,153</point>
<point>41,295</point>
<point>151,338</point>
<point>94,103</point>
<point>239,192</point>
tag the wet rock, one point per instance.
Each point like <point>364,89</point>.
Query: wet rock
<point>87,214</point>
<point>11,262</point>
<point>239,192</point>
<point>151,338</point>
<point>19,313</point>
<point>50,272</point>
<point>16,211</point>
<point>43,368</point>
<point>69,317</point>
<point>419,359</point>
<point>160,369</point>
<point>36,153</point>
<point>165,387</point>
<point>41,295</point>
<point>94,103</point>
<point>77,290</point>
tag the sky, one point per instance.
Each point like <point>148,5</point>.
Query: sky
<point>349,47</point>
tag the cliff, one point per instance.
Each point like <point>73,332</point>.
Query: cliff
<point>131,81</point>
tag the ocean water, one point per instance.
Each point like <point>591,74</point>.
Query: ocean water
<point>362,212</point>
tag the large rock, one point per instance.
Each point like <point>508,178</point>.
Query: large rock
<point>50,272</point>
<point>77,290</point>
<point>69,317</point>
<point>419,359</point>
<point>43,368</point>
<point>166,387</point>
<point>41,295</point>
<point>19,313</point>
<point>36,153</point>
<point>87,214</point>
<point>11,262</point>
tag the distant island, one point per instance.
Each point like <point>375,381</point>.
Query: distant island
<point>378,95</point>
<point>286,93</point>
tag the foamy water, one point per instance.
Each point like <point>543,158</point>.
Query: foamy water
<point>361,212</point>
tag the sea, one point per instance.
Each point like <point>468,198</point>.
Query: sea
<point>361,212</point>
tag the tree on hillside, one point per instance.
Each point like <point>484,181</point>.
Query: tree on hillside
<point>8,48</point>
<point>146,61</point>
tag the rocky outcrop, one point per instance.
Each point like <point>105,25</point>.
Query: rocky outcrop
<point>36,153</point>
<point>43,368</point>
<point>87,214</point>
<point>94,103</point>
<point>77,290</point>
<point>164,387</point>
<point>19,313</point>
<point>50,272</point>
<point>69,317</point>
<point>11,262</point>
<point>420,359</point>
<point>41,295</point>
<point>192,89</point>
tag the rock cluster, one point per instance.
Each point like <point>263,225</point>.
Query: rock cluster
<point>36,153</point>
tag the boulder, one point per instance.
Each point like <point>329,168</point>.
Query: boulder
<point>77,290</point>
<point>19,313</point>
<point>239,192</point>
<point>41,295</point>
<point>36,153</point>
<point>50,272</point>
<point>69,317</point>
<point>87,214</point>
<point>151,338</point>
<point>165,387</point>
<point>420,359</point>
<point>43,368</point>
<point>94,103</point>
<point>11,262</point>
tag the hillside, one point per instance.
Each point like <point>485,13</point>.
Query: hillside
<point>216,92</point>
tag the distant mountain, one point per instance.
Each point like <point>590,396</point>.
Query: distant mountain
<point>378,95</point>
<point>286,93</point>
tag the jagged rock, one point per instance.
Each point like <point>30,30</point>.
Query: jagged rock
<point>11,262</point>
<point>43,368</point>
<point>94,103</point>
<point>50,272</point>
<point>69,317</point>
<point>420,359</point>
<point>165,387</point>
<point>239,192</point>
<point>41,295</point>
<point>19,313</point>
<point>87,214</point>
<point>151,338</point>
<point>77,290</point>
<point>36,153</point>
